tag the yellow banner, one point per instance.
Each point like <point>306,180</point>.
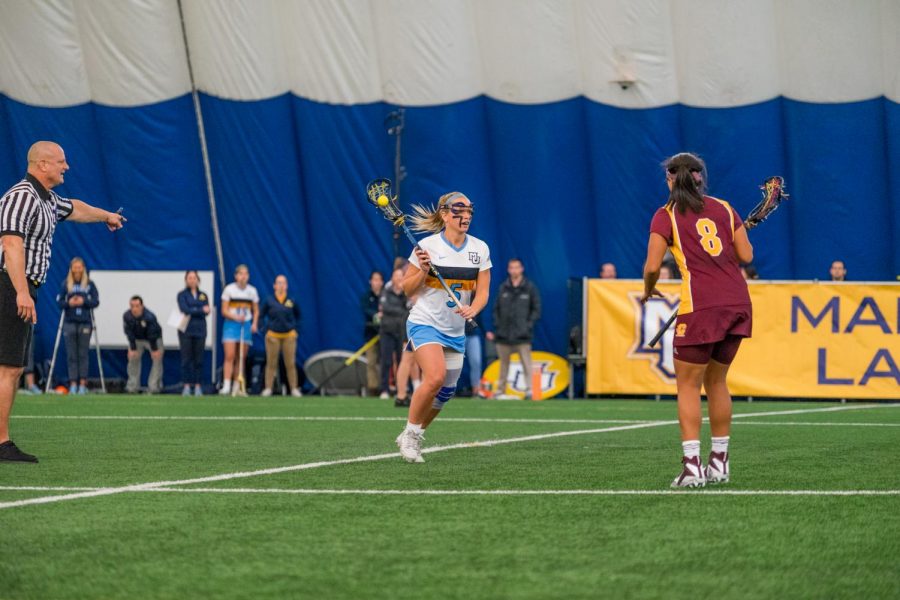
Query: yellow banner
<point>554,374</point>
<point>810,340</point>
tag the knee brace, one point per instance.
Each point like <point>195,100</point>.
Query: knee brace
<point>454,362</point>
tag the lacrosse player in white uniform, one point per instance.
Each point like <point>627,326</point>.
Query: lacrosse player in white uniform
<point>436,325</point>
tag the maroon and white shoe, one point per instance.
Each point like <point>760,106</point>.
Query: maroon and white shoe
<point>692,475</point>
<point>717,470</point>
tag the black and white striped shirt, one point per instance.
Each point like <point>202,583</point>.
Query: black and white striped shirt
<point>31,211</point>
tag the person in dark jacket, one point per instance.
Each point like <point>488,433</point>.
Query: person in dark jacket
<point>194,304</point>
<point>77,297</point>
<point>393,310</point>
<point>143,333</point>
<point>515,312</point>
<point>368,303</point>
<point>282,318</point>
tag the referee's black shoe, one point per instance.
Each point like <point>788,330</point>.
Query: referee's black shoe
<point>9,452</point>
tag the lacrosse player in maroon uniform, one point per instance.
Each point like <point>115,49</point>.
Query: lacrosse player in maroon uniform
<point>709,242</point>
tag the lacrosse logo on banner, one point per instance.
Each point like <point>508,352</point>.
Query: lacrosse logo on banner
<point>810,340</point>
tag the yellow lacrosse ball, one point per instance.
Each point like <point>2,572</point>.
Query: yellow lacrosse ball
<point>382,200</point>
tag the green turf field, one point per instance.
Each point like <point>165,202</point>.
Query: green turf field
<point>171,497</point>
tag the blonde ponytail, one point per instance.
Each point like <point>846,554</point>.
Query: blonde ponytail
<point>430,220</point>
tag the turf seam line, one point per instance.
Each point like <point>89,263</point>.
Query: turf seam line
<point>374,457</point>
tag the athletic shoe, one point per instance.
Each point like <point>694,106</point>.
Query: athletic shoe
<point>34,389</point>
<point>9,452</point>
<point>198,391</point>
<point>410,445</point>
<point>225,391</point>
<point>266,393</point>
<point>692,475</point>
<point>186,391</point>
<point>296,393</point>
<point>73,389</point>
<point>239,392</point>
<point>717,470</point>
<point>82,390</point>
<point>384,396</point>
<point>399,402</point>
<point>506,397</point>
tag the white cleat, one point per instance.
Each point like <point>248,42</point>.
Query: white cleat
<point>717,469</point>
<point>692,475</point>
<point>410,445</point>
<point>296,393</point>
<point>266,393</point>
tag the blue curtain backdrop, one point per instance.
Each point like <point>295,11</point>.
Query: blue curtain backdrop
<point>564,186</point>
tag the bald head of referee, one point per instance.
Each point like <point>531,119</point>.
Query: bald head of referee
<point>29,213</point>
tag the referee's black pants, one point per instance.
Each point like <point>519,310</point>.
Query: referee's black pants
<point>191,358</point>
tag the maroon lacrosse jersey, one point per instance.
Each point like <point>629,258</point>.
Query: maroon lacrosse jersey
<point>703,246</point>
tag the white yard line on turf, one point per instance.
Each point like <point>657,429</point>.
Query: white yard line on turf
<point>377,492</point>
<point>819,423</point>
<point>295,418</point>
<point>140,487</point>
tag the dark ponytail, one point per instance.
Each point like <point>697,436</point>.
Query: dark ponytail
<point>687,192</point>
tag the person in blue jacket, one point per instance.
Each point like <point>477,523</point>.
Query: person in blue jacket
<point>77,298</point>
<point>195,305</point>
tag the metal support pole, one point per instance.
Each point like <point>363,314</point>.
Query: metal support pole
<point>97,345</point>
<point>62,315</point>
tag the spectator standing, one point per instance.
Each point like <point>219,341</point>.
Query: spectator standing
<point>475,355</point>
<point>194,304</point>
<point>838,271</point>
<point>143,333</point>
<point>240,308</point>
<point>77,297</point>
<point>369,306</point>
<point>393,310</point>
<point>281,314</point>
<point>517,309</point>
<point>31,388</point>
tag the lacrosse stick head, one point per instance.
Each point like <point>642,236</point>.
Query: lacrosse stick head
<point>773,193</point>
<point>380,194</point>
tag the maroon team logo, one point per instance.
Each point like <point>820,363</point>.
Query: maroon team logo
<point>648,318</point>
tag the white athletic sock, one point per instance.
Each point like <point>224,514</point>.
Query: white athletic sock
<point>417,429</point>
<point>720,444</point>
<point>416,384</point>
<point>691,448</point>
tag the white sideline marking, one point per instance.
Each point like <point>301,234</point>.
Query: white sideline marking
<point>577,492</point>
<point>820,423</point>
<point>40,488</point>
<point>290,418</point>
<point>374,457</point>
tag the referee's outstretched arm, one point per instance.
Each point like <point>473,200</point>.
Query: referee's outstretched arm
<point>82,212</point>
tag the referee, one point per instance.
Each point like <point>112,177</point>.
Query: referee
<point>29,212</point>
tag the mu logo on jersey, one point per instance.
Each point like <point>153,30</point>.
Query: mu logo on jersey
<point>648,319</point>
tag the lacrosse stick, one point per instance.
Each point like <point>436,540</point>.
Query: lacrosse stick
<point>773,193</point>
<point>241,387</point>
<point>379,194</point>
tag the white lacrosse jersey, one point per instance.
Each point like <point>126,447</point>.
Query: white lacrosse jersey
<point>240,300</point>
<point>459,267</point>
